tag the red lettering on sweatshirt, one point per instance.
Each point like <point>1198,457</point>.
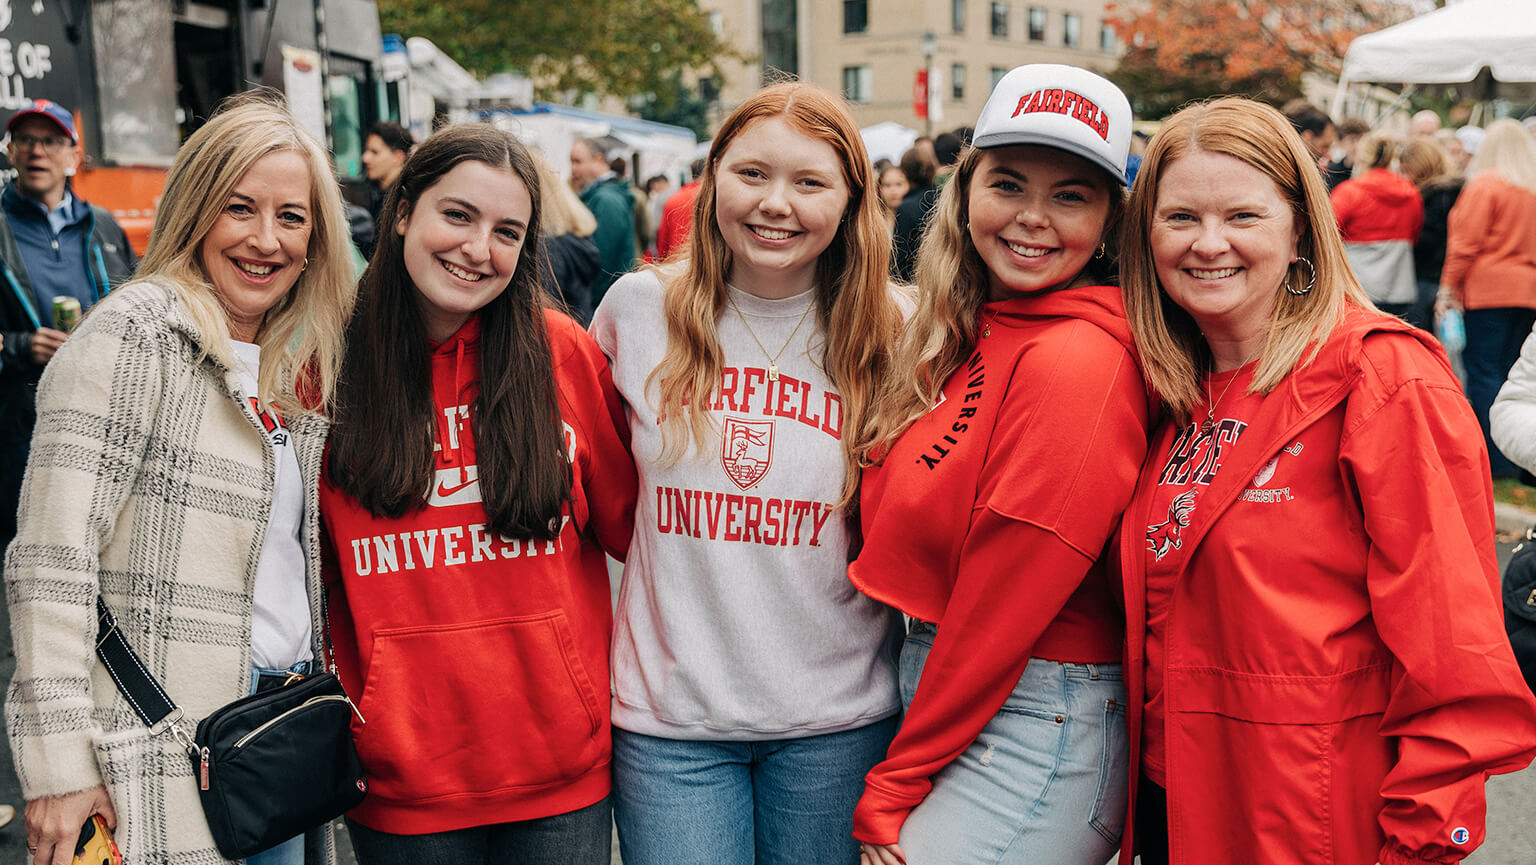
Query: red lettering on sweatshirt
<point>737,518</point>
<point>747,390</point>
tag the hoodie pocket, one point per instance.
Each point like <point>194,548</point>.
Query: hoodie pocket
<point>478,707</point>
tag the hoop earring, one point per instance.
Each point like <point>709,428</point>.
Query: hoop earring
<point>1311,279</point>
<point>304,265</point>
<point>1102,249</point>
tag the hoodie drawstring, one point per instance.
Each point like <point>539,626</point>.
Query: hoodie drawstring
<point>458,391</point>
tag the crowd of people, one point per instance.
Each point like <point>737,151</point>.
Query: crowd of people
<point>1053,494</point>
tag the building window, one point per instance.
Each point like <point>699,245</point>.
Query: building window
<point>957,16</point>
<point>780,39</point>
<point>957,82</point>
<point>855,16</point>
<point>997,73</point>
<point>1072,32</point>
<point>1109,42</point>
<point>1036,24</point>
<point>999,19</point>
<point>857,83</point>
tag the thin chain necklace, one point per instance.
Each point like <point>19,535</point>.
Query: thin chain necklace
<point>773,359</point>
<point>1210,407</point>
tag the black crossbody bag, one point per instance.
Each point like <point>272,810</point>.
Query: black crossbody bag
<point>1519,590</point>
<point>269,766</point>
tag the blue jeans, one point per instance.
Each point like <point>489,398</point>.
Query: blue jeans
<point>1494,337</point>
<point>290,852</point>
<point>580,837</point>
<point>777,802</point>
<point>1046,781</point>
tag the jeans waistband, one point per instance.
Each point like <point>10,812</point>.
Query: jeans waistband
<point>266,680</point>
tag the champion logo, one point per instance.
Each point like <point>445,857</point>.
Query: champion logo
<point>1460,835</point>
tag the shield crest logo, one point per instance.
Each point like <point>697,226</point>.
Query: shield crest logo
<point>747,450</point>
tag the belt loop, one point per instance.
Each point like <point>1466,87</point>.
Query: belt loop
<point>1093,671</point>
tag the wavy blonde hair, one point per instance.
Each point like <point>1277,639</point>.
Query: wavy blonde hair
<point>1507,152</point>
<point>563,211</point>
<point>952,285</point>
<point>1174,355</point>
<point>855,308</point>
<point>301,337</point>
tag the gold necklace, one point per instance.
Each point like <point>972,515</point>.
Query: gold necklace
<point>773,360</point>
<point>1210,408</point>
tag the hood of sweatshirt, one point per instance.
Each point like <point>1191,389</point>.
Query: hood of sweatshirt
<point>1099,305</point>
<point>1390,189</point>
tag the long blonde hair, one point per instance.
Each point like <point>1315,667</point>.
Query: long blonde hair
<point>563,211</point>
<point>952,284</point>
<point>854,306</point>
<point>301,337</point>
<point>1174,355</point>
<point>1508,152</point>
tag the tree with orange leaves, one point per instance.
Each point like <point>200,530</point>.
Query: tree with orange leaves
<point>1179,50</point>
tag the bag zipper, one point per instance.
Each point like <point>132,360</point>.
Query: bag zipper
<point>326,698</point>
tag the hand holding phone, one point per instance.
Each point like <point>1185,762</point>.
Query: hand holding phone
<point>96,846</point>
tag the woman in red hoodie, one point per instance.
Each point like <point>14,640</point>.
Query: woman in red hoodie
<point>1010,446</point>
<point>1380,214</point>
<point>477,474</point>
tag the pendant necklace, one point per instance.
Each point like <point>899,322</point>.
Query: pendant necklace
<point>773,359</point>
<point>1210,408</point>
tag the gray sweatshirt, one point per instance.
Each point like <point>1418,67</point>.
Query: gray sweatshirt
<point>736,620</point>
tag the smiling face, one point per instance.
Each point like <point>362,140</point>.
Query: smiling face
<point>1037,215</point>
<point>1222,238</point>
<point>256,248</point>
<point>779,197</point>
<point>462,242</point>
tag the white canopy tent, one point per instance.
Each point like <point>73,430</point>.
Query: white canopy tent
<point>1448,46</point>
<point>888,140</point>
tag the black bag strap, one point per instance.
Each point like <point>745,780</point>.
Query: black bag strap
<point>149,701</point>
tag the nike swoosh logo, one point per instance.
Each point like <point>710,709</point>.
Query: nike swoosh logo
<point>444,491</point>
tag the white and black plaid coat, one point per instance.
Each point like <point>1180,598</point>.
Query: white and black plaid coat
<point>150,483</point>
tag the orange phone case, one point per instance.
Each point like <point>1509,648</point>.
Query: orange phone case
<point>96,846</point>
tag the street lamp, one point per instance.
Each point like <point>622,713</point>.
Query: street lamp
<point>930,47</point>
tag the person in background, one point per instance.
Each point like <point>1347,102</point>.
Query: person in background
<point>1489,271</point>
<point>1343,168</point>
<point>657,190</point>
<point>1423,124</point>
<point>1379,213</point>
<point>480,428</point>
<point>1342,699</point>
<point>571,261</point>
<point>53,245</point>
<point>175,464</point>
<point>385,149</point>
<point>988,532</point>
<point>752,686</point>
<point>1315,128</point>
<point>912,213</point>
<point>1470,138</point>
<point>609,198</point>
<point>1427,166</point>
<point>893,185</point>
<point>677,215</point>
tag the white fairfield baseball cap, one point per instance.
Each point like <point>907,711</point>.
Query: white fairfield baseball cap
<point>1059,106</point>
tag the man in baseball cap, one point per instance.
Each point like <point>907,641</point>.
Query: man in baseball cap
<point>53,245</point>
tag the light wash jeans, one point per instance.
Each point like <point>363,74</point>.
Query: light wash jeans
<point>778,802</point>
<point>1045,782</point>
<point>290,852</point>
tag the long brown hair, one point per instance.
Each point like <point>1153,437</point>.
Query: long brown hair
<point>855,307</point>
<point>381,444</point>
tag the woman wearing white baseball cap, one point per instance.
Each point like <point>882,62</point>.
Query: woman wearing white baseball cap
<point>1007,448</point>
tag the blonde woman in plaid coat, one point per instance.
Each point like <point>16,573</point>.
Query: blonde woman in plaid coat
<point>157,453</point>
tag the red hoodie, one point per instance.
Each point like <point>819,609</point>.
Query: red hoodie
<point>479,661</point>
<point>988,517</point>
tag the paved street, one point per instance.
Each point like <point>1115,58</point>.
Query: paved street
<point>1511,798</point>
